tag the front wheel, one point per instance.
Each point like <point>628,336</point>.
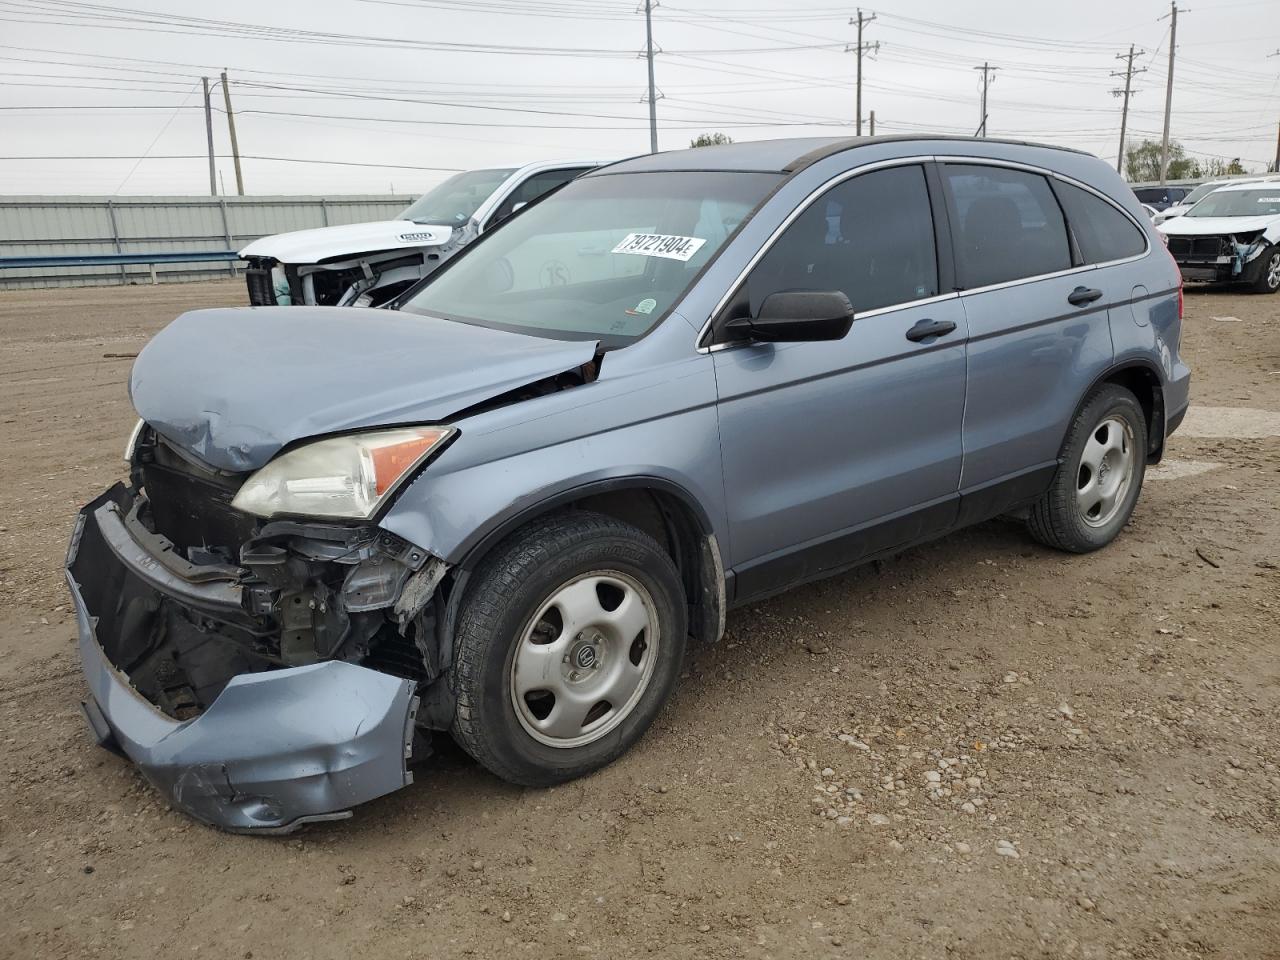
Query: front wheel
<point>1097,484</point>
<point>1269,276</point>
<point>570,640</point>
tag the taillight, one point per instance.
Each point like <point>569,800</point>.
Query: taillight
<point>1174,261</point>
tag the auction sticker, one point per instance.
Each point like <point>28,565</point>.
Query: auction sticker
<point>659,245</point>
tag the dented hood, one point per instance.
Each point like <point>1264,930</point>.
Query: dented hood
<point>233,386</point>
<point>340,243</point>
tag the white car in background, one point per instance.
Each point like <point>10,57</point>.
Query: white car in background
<point>1198,194</point>
<point>1231,236</point>
<point>368,264</point>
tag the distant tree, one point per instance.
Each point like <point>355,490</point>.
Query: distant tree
<point>710,140</point>
<point>1218,167</point>
<point>1142,162</point>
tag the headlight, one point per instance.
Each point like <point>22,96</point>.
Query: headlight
<point>347,477</point>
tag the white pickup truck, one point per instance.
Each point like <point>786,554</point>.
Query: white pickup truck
<point>368,264</point>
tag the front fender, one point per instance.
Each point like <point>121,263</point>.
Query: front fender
<point>654,426</point>
<point>456,515</point>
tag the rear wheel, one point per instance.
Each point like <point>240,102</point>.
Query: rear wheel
<point>1269,277</point>
<point>1098,482</point>
<point>569,642</point>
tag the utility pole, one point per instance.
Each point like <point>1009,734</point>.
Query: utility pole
<point>987,70</point>
<point>860,49</point>
<point>231,125</point>
<point>208,130</point>
<point>873,123</point>
<point>653,99</point>
<point>1276,168</point>
<point>1127,92</point>
<point>1168,92</point>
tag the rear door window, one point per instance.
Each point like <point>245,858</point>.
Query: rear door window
<point>870,237</point>
<point>1007,225</point>
<point>1102,232</point>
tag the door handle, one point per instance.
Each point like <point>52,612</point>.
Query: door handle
<point>1082,295</point>
<point>929,328</point>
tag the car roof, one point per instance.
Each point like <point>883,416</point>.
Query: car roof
<point>775,156</point>
<point>539,165</point>
<point>1261,182</point>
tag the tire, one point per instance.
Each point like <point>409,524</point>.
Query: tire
<point>1093,494</point>
<point>1268,271</point>
<point>518,653</point>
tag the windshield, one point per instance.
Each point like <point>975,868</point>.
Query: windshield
<point>1261,202</point>
<point>604,259</point>
<point>1199,193</point>
<point>457,199</point>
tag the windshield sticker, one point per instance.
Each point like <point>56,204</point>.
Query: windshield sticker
<point>643,308</point>
<point>1269,199</point>
<point>660,245</point>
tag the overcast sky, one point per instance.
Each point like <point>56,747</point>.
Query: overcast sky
<point>408,85</point>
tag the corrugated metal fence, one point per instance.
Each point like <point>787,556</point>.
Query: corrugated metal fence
<point>70,226</point>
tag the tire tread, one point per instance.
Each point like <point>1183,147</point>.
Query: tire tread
<point>1050,517</point>
<point>495,583</point>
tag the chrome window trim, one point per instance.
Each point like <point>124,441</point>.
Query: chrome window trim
<point>879,311</point>
<point>835,181</point>
<point>1053,175</point>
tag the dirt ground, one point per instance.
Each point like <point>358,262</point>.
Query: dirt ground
<point>978,749</point>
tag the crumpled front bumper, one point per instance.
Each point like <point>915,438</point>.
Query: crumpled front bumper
<point>275,749</point>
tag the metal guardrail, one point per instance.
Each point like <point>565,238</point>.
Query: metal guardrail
<point>121,259</point>
<point>67,233</point>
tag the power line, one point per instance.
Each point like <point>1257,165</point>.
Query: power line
<point>246,156</point>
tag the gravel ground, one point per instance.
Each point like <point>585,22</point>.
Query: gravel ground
<point>977,749</point>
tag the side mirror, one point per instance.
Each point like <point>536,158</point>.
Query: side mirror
<point>796,317</point>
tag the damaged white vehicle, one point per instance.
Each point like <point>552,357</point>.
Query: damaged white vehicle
<point>369,264</point>
<point>1231,236</point>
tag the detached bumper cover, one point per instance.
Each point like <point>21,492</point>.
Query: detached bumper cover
<point>275,750</point>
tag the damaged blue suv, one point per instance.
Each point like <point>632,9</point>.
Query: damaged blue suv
<point>681,383</point>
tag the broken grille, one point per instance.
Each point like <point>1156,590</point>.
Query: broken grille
<point>1201,248</point>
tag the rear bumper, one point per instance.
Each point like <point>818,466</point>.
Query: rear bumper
<point>275,749</point>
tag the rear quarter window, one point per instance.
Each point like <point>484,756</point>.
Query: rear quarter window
<point>1102,232</point>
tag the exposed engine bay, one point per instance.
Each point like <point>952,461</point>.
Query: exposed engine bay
<point>262,595</point>
<point>365,280</point>
<point>1217,257</point>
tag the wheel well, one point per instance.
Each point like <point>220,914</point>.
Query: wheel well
<point>671,522</point>
<point>1144,384</point>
